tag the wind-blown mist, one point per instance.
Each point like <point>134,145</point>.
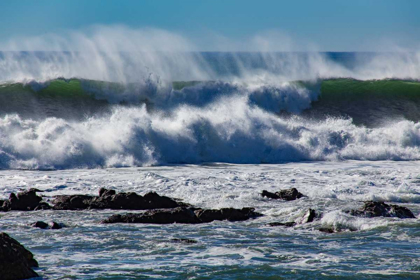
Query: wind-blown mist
<point>113,96</point>
<point>120,54</point>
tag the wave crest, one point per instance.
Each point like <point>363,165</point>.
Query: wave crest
<point>228,130</point>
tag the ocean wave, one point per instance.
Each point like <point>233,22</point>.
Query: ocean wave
<point>227,130</point>
<point>123,97</point>
<point>370,103</point>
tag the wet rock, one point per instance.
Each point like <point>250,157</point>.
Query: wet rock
<point>40,224</point>
<point>157,201</point>
<point>44,225</point>
<point>15,260</point>
<point>326,230</point>
<point>269,194</point>
<point>43,206</point>
<point>105,192</point>
<point>55,225</point>
<point>72,202</point>
<point>23,201</point>
<point>230,214</point>
<point>184,240</point>
<point>381,209</point>
<point>309,216</point>
<point>287,224</point>
<point>185,216</point>
<point>288,195</point>
<point>336,230</point>
<point>109,199</point>
<point>162,216</point>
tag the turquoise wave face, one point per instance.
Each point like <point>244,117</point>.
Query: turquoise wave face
<point>369,103</point>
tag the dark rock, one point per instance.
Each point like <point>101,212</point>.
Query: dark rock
<point>40,224</point>
<point>184,240</point>
<point>44,225</point>
<point>185,216</point>
<point>156,201</point>
<point>23,201</point>
<point>327,230</point>
<point>106,192</point>
<point>289,194</point>
<point>43,206</point>
<point>109,199</point>
<point>55,225</point>
<point>230,214</point>
<point>309,216</point>
<point>381,209</point>
<point>162,216</point>
<point>15,260</point>
<point>72,202</point>
<point>288,224</point>
<point>335,230</point>
<point>269,194</point>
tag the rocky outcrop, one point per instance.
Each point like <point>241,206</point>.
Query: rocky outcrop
<point>381,209</point>
<point>109,199</point>
<point>162,216</point>
<point>184,215</point>
<point>15,260</point>
<point>72,202</point>
<point>25,201</point>
<point>288,195</point>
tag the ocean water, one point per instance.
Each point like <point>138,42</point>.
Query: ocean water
<point>213,129</point>
<point>380,248</point>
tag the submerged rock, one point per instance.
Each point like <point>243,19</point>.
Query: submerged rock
<point>336,230</point>
<point>381,209</point>
<point>40,224</point>
<point>15,260</point>
<point>308,217</point>
<point>109,199</point>
<point>288,195</point>
<point>184,240</point>
<point>24,201</point>
<point>327,230</point>
<point>44,225</point>
<point>184,215</point>
<point>55,225</point>
<point>287,224</point>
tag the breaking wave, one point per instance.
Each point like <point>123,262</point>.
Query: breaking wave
<point>230,128</point>
<point>121,97</point>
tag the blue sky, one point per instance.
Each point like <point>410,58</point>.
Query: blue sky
<point>332,25</point>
